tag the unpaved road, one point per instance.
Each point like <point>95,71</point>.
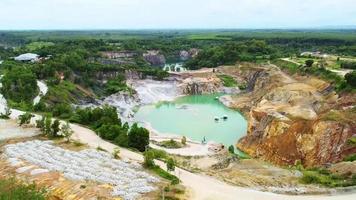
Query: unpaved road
<point>202,187</point>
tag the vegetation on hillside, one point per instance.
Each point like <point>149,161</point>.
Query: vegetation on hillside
<point>228,81</point>
<point>12,189</point>
<point>328,179</point>
<point>19,85</point>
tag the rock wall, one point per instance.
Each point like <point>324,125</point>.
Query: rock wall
<point>295,119</point>
<point>155,58</point>
<point>197,85</point>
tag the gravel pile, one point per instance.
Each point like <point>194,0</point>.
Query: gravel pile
<point>129,179</point>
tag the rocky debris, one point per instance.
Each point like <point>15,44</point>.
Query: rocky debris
<point>154,58</point>
<point>129,179</point>
<point>290,119</point>
<point>124,102</point>
<point>151,91</point>
<point>225,162</point>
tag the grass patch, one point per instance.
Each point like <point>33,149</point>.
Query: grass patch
<point>170,144</point>
<point>352,141</point>
<point>350,158</point>
<point>346,116</point>
<point>11,189</point>
<point>326,178</point>
<point>164,174</point>
<point>228,81</point>
<point>292,68</point>
<point>100,149</point>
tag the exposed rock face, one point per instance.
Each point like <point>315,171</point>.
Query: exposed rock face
<point>155,58</point>
<point>197,85</point>
<point>185,55</point>
<point>294,119</point>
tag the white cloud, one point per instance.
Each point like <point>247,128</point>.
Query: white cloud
<point>126,14</point>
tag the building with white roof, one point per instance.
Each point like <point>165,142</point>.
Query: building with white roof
<point>27,57</point>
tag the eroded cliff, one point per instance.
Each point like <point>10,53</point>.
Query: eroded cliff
<point>294,118</point>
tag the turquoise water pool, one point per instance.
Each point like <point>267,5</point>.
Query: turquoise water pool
<point>194,117</point>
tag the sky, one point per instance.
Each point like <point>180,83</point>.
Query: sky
<point>175,14</point>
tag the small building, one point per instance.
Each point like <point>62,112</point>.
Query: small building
<point>27,57</point>
<point>315,54</point>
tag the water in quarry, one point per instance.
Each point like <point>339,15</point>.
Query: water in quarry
<point>196,117</point>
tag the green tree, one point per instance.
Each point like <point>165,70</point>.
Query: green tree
<point>47,128</point>
<point>309,63</point>
<point>55,128</point>
<point>62,110</point>
<point>109,132</point>
<point>149,157</point>
<point>67,132</point>
<point>19,84</point>
<point>40,107</point>
<point>231,149</point>
<point>138,137</point>
<point>351,79</point>
<point>122,140</point>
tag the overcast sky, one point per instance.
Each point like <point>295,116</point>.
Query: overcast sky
<point>156,14</point>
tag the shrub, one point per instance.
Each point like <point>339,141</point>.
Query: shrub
<point>122,140</point>
<point>351,78</point>
<point>184,141</point>
<point>62,110</point>
<point>10,189</point>
<point>166,175</point>
<point>149,157</point>
<point>309,178</point>
<point>109,132</point>
<point>55,128</point>
<point>67,132</point>
<point>348,65</point>
<point>138,137</point>
<point>309,63</point>
<point>47,128</point>
<point>6,114</point>
<point>350,158</point>
<point>40,107</point>
<point>231,149</point>
<point>170,144</point>
<point>25,118</point>
<point>228,81</point>
<point>41,123</point>
<point>170,164</point>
